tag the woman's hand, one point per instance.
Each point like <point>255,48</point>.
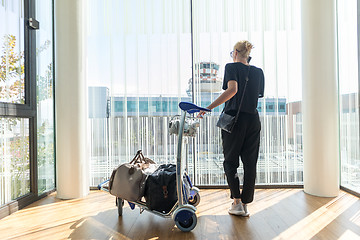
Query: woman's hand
<point>201,114</point>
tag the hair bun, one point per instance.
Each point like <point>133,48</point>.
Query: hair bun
<point>244,47</point>
<point>248,46</point>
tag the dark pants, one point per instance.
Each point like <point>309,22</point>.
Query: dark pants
<point>243,142</point>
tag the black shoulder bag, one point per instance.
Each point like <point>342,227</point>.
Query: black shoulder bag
<point>226,122</point>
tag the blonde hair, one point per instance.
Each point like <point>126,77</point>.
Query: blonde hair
<point>244,48</point>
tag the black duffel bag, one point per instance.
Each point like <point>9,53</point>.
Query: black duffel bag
<point>160,189</point>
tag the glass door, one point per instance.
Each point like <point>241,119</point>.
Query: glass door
<point>14,128</point>
<point>45,97</point>
<point>26,102</point>
<point>348,42</point>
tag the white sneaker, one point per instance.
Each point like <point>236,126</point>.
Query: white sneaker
<point>246,212</point>
<point>236,209</point>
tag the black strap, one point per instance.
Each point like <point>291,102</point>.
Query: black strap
<point>242,97</point>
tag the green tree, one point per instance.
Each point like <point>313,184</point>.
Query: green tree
<point>20,168</point>
<point>44,86</point>
<point>12,86</point>
<point>12,72</point>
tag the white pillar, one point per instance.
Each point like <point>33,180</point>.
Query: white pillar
<point>320,98</point>
<point>72,171</point>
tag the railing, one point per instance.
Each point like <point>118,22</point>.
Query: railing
<point>116,140</point>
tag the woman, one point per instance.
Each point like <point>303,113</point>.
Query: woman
<point>244,140</point>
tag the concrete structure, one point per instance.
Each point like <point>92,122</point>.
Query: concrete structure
<point>320,98</point>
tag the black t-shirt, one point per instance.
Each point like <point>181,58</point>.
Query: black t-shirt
<point>255,87</point>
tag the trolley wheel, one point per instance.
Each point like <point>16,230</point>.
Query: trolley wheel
<point>186,220</point>
<point>195,200</point>
<point>119,204</point>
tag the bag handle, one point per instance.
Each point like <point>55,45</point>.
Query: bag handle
<point>139,158</point>
<point>242,97</point>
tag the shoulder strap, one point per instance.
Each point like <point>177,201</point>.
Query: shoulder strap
<point>242,96</point>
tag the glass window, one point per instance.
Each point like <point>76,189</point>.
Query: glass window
<point>143,52</point>
<point>12,71</point>
<point>45,97</point>
<point>14,158</point>
<point>276,36</point>
<point>22,126</point>
<point>144,106</point>
<point>143,49</point>
<point>349,93</point>
<point>164,108</point>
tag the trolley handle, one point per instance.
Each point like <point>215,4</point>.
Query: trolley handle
<point>102,187</point>
<point>192,108</point>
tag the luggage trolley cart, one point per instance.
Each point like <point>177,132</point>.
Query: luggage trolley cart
<point>183,212</point>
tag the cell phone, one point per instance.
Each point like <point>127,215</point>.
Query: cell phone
<point>249,58</point>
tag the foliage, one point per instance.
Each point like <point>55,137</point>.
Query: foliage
<point>44,83</point>
<point>12,72</point>
<point>45,157</point>
<point>44,86</point>
<point>12,86</point>
<point>20,167</point>
<point>14,156</point>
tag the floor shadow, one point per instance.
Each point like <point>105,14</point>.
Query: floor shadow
<point>131,225</point>
<point>271,215</point>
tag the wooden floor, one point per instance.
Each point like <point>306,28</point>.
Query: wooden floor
<point>275,214</point>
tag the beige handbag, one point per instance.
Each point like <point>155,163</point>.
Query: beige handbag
<point>128,180</point>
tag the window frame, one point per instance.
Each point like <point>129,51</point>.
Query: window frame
<point>28,110</point>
